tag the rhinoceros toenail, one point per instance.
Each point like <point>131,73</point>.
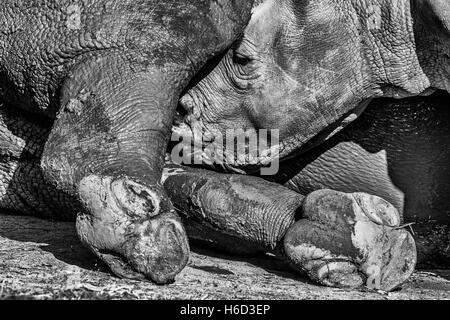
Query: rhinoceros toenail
<point>143,194</point>
<point>137,200</point>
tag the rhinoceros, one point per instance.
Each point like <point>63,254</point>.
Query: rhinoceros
<point>90,90</point>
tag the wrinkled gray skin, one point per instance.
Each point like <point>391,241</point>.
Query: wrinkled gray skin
<point>309,68</point>
<point>88,92</point>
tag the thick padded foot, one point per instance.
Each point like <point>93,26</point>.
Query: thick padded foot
<point>132,228</point>
<point>351,240</point>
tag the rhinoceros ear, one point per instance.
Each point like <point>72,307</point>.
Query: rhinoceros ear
<point>436,13</point>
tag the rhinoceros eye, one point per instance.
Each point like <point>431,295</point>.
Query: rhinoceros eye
<point>239,58</point>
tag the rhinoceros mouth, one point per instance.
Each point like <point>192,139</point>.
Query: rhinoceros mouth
<point>212,153</point>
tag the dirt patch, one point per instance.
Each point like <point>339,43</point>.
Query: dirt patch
<point>42,259</point>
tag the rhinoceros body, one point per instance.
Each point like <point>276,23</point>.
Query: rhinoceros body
<point>90,91</point>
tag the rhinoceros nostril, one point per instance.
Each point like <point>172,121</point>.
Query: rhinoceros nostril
<point>185,104</point>
<point>182,109</point>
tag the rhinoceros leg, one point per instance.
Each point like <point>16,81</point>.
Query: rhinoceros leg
<point>343,240</point>
<point>236,213</point>
<point>106,149</point>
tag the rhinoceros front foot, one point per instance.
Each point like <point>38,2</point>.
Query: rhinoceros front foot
<point>351,240</point>
<point>132,229</point>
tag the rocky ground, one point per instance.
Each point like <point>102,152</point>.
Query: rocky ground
<point>42,259</point>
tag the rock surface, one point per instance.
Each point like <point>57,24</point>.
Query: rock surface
<point>42,259</point>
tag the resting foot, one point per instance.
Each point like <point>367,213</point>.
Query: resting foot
<point>132,229</point>
<point>351,240</point>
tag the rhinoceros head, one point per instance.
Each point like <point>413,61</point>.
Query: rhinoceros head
<point>307,68</point>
